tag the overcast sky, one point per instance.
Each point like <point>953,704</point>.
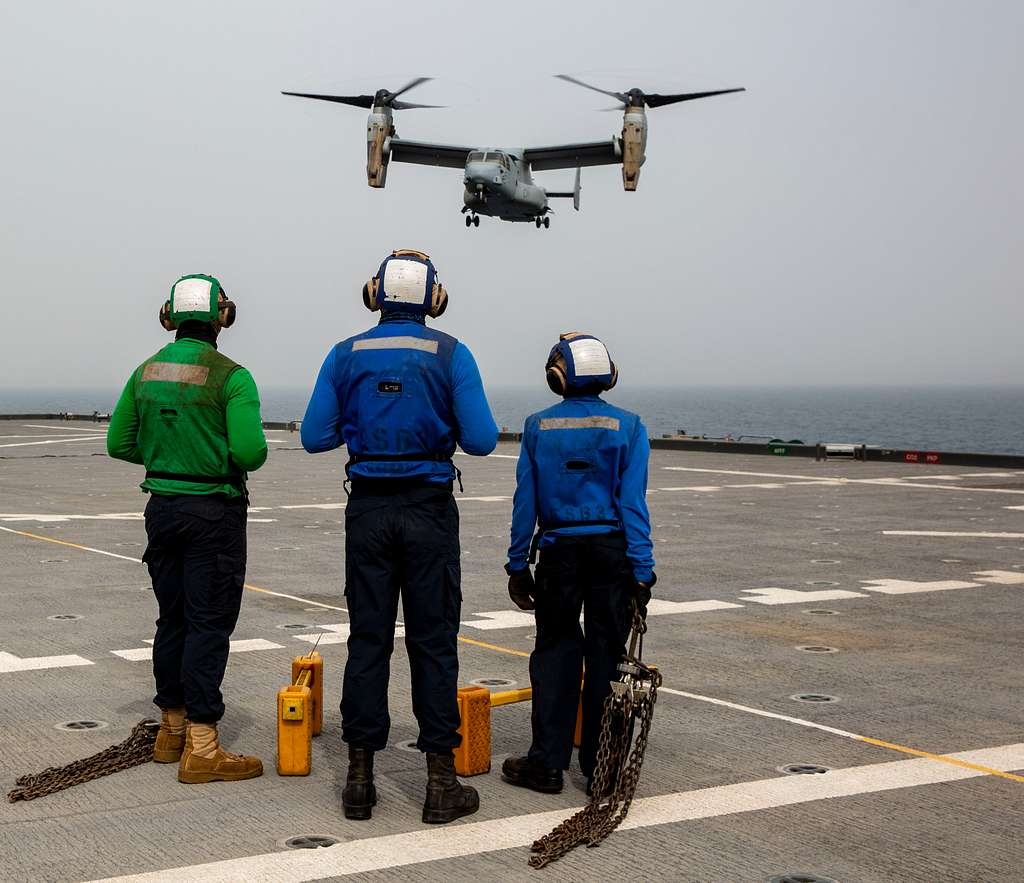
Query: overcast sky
<point>855,217</point>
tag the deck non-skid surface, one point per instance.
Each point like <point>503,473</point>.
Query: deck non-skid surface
<point>920,570</point>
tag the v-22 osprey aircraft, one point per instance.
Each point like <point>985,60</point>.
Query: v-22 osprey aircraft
<point>499,182</point>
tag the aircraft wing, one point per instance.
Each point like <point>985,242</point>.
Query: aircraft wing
<point>572,156</point>
<point>448,155</point>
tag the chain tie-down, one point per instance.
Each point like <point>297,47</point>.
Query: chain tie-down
<point>617,770</point>
<point>135,750</point>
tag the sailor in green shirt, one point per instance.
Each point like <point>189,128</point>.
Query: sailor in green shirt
<point>191,416</point>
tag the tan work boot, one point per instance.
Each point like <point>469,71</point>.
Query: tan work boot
<point>205,761</point>
<point>170,738</point>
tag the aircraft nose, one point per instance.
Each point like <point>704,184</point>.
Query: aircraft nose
<point>479,173</point>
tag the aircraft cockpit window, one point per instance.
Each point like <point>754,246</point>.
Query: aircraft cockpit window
<point>499,158</point>
<point>476,156</point>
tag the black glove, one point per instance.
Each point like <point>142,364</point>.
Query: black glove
<point>642,595</point>
<point>521,587</point>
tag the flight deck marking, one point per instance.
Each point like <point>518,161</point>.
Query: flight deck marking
<point>62,428</point>
<point>314,506</point>
<point>658,607</point>
<point>9,662</point>
<point>775,595</point>
<point>494,647</point>
<point>911,587</point>
<point>35,536</point>
<point>37,435</point>
<point>56,519</point>
<point>999,577</point>
<point>52,441</point>
<point>979,534</point>
<point>830,480</point>
<point>476,838</point>
<point>244,645</point>
<point>955,760</point>
<point>501,619</point>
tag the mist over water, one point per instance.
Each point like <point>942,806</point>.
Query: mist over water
<point>989,419</point>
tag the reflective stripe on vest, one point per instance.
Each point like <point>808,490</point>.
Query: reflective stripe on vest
<point>179,395</point>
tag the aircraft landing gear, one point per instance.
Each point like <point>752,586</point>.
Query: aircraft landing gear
<point>546,221</point>
<point>472,220</point>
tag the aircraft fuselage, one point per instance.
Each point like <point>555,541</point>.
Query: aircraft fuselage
<point>498,184</point>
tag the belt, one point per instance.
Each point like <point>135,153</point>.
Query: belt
<point>555,525</point>
<point>236,481</point>
<point>353,459</point>
<point>387,458</point>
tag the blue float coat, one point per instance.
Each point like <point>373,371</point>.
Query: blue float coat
<point>400,389</point>
<point>583,460</point>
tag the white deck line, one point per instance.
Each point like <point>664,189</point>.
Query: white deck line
<point>63,428</point>
<point>54,441</point>
<point>762,713</point>
<point>982,534</point>
<point>882,482</point>
<point>477,838</point>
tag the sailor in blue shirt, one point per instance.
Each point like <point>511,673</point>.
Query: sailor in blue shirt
<point>400,397</point>
<point>581,483</point>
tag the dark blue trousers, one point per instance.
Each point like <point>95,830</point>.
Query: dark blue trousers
<point>196,559</point>
<point>402,541</point>
<point>592,574</point>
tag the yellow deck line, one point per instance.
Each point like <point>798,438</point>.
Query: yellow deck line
<point>945,758</point>
<point>249,586</point>
<point>493,647</point>
<point>262,591</point>
<point>892,746</point>
<point>35,536</point>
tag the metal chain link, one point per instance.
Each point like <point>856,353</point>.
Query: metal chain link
<point>135,750</point>
<point>617,771</point>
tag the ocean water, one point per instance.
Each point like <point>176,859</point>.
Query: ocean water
<point>987,419</point>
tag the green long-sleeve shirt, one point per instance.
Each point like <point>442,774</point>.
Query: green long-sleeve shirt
<point>246,443</point>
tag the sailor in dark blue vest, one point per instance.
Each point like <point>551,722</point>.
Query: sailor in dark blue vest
<point>400,397</point>
<point>581,483</point>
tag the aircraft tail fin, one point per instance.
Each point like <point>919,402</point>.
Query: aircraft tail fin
<point>574,195</point>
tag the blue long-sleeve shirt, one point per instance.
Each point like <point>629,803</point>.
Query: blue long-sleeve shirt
<point>583,469</point>
<point>395,391</point>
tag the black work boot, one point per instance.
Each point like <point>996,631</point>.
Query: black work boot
<point>359,796</point>
<point>447,798</point>
<point>527,773</point>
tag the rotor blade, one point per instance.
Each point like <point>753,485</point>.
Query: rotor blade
<point>354,100</point>
<point>569,79</point>
<point>405,105</point>
<point>654,100</point>
<point>412,84</point>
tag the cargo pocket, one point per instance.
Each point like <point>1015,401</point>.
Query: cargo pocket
<point>230,579</point>
<point>453,593</point>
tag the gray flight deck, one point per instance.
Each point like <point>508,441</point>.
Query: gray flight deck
<point>922,568</point>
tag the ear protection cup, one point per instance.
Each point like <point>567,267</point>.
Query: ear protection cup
<point>615,376</point>
<point>554,373</point>
<point>165,317</point>
<point>370,290</point>
<point>438,300</point>
<point>226,310</point>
